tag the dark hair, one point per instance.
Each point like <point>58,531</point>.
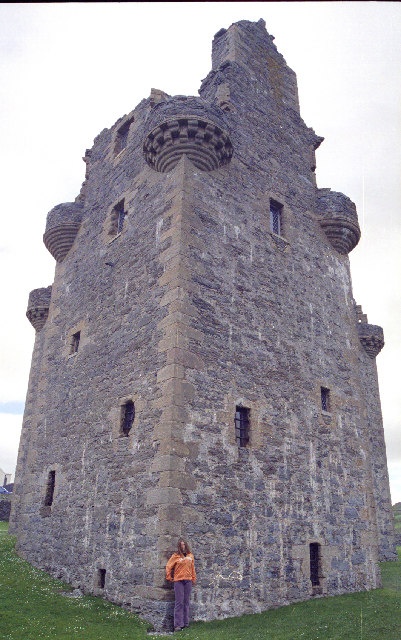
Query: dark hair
<point>187,549</point>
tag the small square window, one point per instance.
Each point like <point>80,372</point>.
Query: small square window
<point>325,399</point>
<point>127,417</point>
<point>242,425</point>
<point>276,218</point>
<point>75,340</point>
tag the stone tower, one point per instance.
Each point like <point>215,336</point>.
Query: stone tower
<point>200,365</point>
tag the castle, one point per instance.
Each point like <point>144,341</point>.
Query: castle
<point>200,366</point>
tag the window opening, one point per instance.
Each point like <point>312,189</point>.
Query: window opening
<point>117,218</point>
<point>75,339</point>
<point>276,222</point>
<point>51,481</point>
<point>242,422</point>
<point>314,551</point>
<point>122,137</point>
<point>120,216</point>
<point>101,578</point>
<point>325,399</point>
<point>127,417</point>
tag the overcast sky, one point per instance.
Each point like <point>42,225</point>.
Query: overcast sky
<point>69,70</point>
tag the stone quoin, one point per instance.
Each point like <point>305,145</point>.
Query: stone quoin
<point>200,367</point>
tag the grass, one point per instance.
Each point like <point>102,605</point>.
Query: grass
<point>32,607</point>
<point>397,515</point>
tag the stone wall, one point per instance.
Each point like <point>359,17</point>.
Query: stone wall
<point>177,293</point>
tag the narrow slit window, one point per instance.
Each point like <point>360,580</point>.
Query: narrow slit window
<point>51,481</point>
<point>101,578</point>
<point>325,399</point>
<point>276,217</point>
<point>127,417</point>
<point>120,216</point>
<point>75,340</point>
<point>315,562</point>
<point>242,425</point>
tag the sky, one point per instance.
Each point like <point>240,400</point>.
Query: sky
<point>69,70</point>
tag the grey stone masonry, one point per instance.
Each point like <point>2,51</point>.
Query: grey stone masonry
<point>200,366</point>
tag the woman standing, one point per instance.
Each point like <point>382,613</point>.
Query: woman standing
<point>180,569</point>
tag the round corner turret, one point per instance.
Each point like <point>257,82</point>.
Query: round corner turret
<point>38,307</point>
<point>339,220</point>
<point>62,226</point>
<point>186,126</point>
<point>371,337</point>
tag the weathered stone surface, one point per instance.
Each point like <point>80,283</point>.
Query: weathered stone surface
<point>371,337</point>
<point>339,220</point>
<point>38,307</point>
<point>62,225</point>
<point>199,308</point>
<point>5,507</point>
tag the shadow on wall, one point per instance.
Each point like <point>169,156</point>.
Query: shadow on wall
<point>5,507</point>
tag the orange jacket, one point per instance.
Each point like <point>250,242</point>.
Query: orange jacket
<point>181,567</point>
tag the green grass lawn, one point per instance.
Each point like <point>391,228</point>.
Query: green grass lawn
<point>32,607</point>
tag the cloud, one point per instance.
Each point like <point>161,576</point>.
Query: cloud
<point>15,408</point>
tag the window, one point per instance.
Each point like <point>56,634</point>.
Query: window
<point>117,218</point>
<point>51,480</point>
<point>121,138</point>
<point>315,561</point>
<point>75,338</point>
<point>325,399</point>
<point>127,417</point>
<point>276,215</point>
<point>101,578</point>
<point>242,421</point>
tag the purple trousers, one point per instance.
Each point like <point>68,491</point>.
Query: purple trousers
<point>182,591</point>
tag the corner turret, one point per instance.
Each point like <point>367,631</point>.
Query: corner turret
<point>186,125</point>
<point>62,226</point>
<point>370,335</point>
<point>339,220</point>
<point>38,307</point>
